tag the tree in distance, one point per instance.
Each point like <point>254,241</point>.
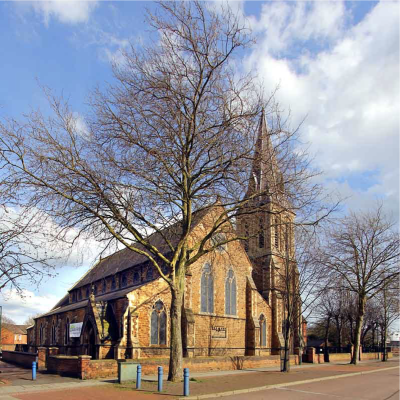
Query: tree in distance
<point>361,254</point>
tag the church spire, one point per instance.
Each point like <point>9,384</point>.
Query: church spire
<point>265,173</point>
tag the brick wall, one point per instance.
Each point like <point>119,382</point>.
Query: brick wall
<point>94,369</point>
<point>63,365</point>
<point>204,364</point>
<point>19,358</point>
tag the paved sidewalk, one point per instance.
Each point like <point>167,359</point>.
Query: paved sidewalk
<point>203,385</point>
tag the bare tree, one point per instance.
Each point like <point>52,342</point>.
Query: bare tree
<point>362,254</point>
<point>173,138</point>
<point>301,283</point>
<point>23,258</point>
<point>388,306</point>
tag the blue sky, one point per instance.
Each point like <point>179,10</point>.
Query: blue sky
<point>336,63</point>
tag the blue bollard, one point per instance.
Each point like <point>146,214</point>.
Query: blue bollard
<point>138,376</point>
<point>186,381</point>
<point>160,377</point>
<point>34,371</point>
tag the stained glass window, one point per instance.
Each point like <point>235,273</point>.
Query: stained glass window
<point>158,333</point>
<point>207,289</point>
<point>230,293</point>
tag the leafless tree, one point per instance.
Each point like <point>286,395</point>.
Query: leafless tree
<point>172,138</point>
<point>388,307</point>
<point>23,258</point>
<point>362,254</point>
<point>301,283</point>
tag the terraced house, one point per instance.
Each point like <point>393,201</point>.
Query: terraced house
<point>120,308</point>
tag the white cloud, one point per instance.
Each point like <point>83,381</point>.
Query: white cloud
<point>65,11</point>
<point>346,82</point>
<point>20,308</point>
<point>286,23</point>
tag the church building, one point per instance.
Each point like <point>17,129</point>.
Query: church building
<point>233,303</point>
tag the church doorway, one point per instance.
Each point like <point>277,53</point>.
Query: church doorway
<point>89,340</point>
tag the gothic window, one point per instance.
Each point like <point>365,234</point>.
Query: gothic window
<point>53,333</point>
<point>261,238</point>
<point>219,238</point>
<point>276,233</point>
<point>66,332</point>
<point>287,237</point>
<point>73,296</point>
<point>158,324</point>
<point>87,292</point>
<point>246,241</point>
<point>263,331</point>
<point>95,289</point>
<point>207,290</point>
<point>113,283</point>
<point>149,274</point>
<point>124,280</point>
<point>41,334</point>
<point>136,276</point>
<point>79,294</point>
<point>230,294</point>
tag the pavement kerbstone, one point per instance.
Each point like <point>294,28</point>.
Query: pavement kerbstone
<point>279,385</point>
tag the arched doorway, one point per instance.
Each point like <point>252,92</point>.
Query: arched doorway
<point>89,339</point>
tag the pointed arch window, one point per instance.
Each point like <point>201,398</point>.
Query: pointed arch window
<point>113,283</point>
<point>263,331</point>
<point>276,233</point>
<point>66,332</point>
<point>230,293</point>
<point>41,334</point>
<point>207,289</point>
<point>124,280</point>
<point>53,333</point>
<point>158,324</point>
<point>136,277</point>
<point>246,241</point>
<point>149,273</point>
<point>261,237</point>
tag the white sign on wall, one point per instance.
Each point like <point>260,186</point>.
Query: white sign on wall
<point>75,329</point>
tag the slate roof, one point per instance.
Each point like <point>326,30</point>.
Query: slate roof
<point>126,258</point>
<point>117,294</point>
<point>18,329</point>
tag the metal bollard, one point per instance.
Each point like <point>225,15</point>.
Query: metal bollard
<point>160,378</point>
<point>186,381</point>
<point>138,376</point>
<point>34,371</point>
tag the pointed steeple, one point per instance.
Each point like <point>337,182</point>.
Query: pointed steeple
<point>265,174</point>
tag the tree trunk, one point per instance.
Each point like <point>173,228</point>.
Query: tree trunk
<point>359,323</point>
<point>286,360</point>
<point>384,334</point>
<point>326,352</point>
<point>338,332</point>
<point>176,351</point>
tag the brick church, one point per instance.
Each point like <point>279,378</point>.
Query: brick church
<point>232,305</point>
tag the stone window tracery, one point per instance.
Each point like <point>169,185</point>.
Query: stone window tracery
<point>263,331</point>
<point>158,324</point>
<point>230,293</point>
<point>207,289</point>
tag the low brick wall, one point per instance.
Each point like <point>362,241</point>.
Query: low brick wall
<point>19,358</point>
<point>203,364</point>
<point>95,369</point>
<point>63,365</point>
